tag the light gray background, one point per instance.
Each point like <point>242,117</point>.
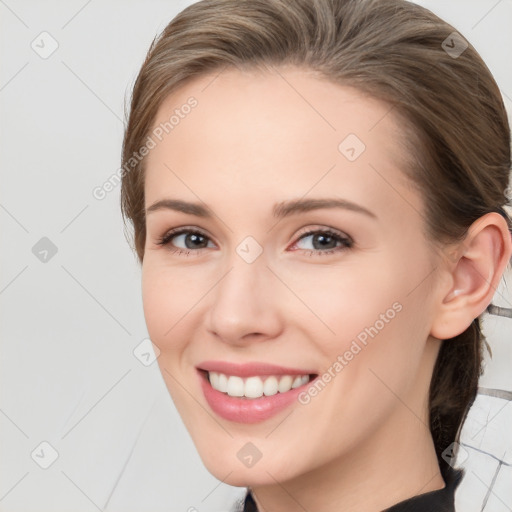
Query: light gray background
<point>70,324</point>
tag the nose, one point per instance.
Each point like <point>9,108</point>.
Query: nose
<point>245,304</point>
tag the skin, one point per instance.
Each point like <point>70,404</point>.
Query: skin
<point>256,139</point>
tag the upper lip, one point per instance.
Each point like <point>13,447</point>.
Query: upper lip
<point>250,369</point>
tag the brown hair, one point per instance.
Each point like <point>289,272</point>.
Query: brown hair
<point>458,135</point>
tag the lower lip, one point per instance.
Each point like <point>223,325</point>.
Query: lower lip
<point>247,410</point>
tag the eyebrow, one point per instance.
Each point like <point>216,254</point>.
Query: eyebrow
<point>279,211</point>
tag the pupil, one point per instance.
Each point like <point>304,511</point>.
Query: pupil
<point>193,237</point>
<point>324,238</point>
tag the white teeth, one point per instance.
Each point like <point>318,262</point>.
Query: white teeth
<point>285,384</point>
<point>270,386</point>
<point>235,386</point>
<point>255,387</point>
<point>214,380</point>
<point>297,382</point>
<point>223,383</point>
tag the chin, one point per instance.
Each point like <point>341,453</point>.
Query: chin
<point>244,477</point>
<point>230,467</point>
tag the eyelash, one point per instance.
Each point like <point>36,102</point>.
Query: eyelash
<point>345,240</point>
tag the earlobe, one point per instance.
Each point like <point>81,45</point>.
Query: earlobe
<point>475,275</point>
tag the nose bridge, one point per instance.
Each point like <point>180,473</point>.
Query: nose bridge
<point>246,274</point>
<point>239,291</point>
<point>241,302</point>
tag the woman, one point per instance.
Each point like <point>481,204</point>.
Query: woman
<point>317,192</point>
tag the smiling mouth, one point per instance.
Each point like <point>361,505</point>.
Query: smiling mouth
<point>254,387</point>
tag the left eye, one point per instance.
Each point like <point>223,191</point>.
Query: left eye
<point>324,241</point>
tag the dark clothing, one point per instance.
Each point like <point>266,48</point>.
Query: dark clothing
<point>441,500</point>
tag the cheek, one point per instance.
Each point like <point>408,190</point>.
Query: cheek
<point>167,311</point>
<point>165,302</point>
<point>380,334</point>
<point>371,315</point>
<point>339,303</point>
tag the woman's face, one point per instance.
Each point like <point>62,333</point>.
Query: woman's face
<point>300,246</point>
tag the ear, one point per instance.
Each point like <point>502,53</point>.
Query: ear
<point>474,273</point>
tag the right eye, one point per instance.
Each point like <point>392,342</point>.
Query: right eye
<point>192,239</point>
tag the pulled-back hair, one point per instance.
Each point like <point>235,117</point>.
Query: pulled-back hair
<point>450,108</point>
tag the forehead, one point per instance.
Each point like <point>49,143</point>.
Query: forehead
<point>275,132</point>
